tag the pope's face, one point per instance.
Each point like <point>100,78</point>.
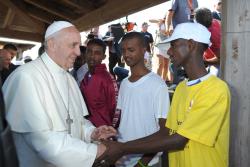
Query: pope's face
<point>67,47</point>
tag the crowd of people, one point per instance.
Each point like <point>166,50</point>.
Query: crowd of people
<point>67,109</point>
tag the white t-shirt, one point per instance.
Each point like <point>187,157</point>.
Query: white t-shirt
<point>142,103</point>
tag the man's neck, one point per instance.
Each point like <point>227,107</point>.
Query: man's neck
<point>137,73</point>
<point>195,69</point>
<point>196,72</point>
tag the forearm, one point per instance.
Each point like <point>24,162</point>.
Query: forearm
<point>168,21</point>
<point>157,142</point>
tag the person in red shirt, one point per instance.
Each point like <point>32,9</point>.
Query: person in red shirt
<point>212,54</point>
<point>98,87</point>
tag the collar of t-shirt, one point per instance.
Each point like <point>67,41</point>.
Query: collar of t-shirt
<point>196,81</point>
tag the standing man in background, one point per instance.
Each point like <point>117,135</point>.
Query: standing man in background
<point>99,87</point>
<point>8,157</point>
<point>217,12</point>
<point>149,41</point>
<point>181,11</point>
<point>12,49</point>
<point>212,54</point>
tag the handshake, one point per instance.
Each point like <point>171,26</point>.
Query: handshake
<point>108,150</point>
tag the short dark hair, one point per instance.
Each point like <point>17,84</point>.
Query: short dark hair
<point>10,46</point>
<point>204,16</point>
<point>98,42</point>
<point>137,35</point>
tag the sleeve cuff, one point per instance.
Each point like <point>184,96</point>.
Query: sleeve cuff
<point>88,129</point>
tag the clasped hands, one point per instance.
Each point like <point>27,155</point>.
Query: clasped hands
<point>109,151</point>
<point>103,132</point>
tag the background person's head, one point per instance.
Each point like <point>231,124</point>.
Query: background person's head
<point>5,59</point>
<point>204,16</point>
<point>133,48</point>
<point>95,52</point>
<point>144,27</point>
<point>95,31</point>
<point>218,5</point>
<point>62,43</point>
<point>11,48</point>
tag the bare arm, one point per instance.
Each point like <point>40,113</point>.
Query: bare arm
<point>146,158</point>
<point>168,21</point>
<point>159,141</point>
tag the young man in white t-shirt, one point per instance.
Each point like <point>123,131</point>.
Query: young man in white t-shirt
<point>143,101</point>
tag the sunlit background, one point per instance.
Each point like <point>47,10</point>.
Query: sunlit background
<point>156,12</point>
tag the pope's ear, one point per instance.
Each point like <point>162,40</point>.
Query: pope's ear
<point>51,44</point>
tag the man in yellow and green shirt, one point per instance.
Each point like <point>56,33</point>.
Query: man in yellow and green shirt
<point>200,113</point>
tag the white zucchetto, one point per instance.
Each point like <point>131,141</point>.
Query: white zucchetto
<point>55,27</point>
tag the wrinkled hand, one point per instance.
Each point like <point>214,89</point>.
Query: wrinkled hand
<point>103,132</point>
<point>113,152</point>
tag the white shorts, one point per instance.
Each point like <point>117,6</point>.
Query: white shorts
<point>162,51</point>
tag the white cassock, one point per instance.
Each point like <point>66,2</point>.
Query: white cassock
<point>37,96</point>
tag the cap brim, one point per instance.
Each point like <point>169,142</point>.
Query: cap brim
<point>165,42</point>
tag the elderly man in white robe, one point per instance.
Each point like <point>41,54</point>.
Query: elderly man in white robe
<point>45,108</point>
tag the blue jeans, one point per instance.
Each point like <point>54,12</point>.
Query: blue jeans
<point>121,73</point>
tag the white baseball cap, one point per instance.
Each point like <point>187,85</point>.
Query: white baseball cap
<point>55,27</point>
<point>194,31</point>
<point>217,1</point>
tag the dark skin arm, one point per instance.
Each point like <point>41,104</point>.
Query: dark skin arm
<point>157,142</point>
<point>146,158</point>
<point>160,141</point>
